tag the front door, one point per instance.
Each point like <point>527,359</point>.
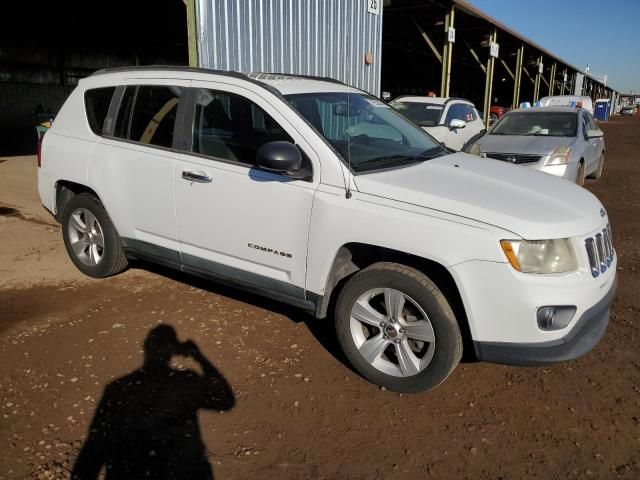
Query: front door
<point>237,221</point>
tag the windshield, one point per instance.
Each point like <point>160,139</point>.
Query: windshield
<point>368,133</point>
<point>539,123</point>
<point>424,114</point>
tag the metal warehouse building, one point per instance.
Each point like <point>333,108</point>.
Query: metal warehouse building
<point>447,47</point>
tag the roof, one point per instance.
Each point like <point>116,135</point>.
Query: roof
<point>292,84</point>
<point>466,7</point>
<point>548,110</point>
<point>285,84</point>
<point>432,100</point>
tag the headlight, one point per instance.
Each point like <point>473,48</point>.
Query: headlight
<point>474,149</point>
<point>540,256</point>
<point>560,156</point>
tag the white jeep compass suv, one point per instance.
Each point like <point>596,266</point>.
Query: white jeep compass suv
<point>317,194</point>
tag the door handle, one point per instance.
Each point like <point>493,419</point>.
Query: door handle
<point>198,177</point>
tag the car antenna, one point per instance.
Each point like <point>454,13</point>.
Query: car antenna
<point>347,193</point>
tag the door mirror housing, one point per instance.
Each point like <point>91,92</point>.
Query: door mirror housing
<point>280,156</point>
<point>595,134</point>
<point>457,123</point>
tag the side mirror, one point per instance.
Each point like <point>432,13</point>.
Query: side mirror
<point>595,134</point>
<point>282,157</point>
<point>457,123</point>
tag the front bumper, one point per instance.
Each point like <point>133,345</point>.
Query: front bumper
<point>585,334</point>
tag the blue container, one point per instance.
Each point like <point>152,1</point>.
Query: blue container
<point>601,110</point>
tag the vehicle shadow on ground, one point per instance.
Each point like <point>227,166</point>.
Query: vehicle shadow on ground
<point>146,424</point>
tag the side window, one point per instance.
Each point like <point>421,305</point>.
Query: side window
<point>459,111</point>
<point>147,114</point>
<point>96,103</point>
<point>231,127</point>
<point>585,124</point>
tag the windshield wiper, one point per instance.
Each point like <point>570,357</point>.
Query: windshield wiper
<point>390,160</point>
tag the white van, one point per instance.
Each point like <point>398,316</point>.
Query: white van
<point>580,101</point>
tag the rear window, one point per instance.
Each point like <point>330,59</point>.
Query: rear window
<point>147,114</point>
<point>97,103</point>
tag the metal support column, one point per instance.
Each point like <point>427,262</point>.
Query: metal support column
<point>447,54</point>
<point>488,83</point>
<point>518,78</point>
<point>192,29</point>
<point>564,81</point>
<point>552,79</point>
<point>536,87</point>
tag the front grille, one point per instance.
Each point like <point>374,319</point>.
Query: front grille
<point>600,251</point>
<point>517,158</point>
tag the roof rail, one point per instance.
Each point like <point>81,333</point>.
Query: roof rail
<point>306,77</point>
<point>169,68</point>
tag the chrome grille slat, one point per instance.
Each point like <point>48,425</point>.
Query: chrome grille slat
<point>600,251</point>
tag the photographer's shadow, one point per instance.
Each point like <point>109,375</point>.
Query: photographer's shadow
<point>146,425</point>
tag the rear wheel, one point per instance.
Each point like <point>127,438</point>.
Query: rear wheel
<point>90,238</point>
<point>397,329</point>
<point>580,174</point>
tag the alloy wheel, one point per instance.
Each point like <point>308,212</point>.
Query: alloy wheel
<point>392,332</point>
<point>86,236</point>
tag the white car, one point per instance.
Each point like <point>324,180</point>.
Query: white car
<point>454,122</point>
<point>575,101</point>
<point>256,181</point>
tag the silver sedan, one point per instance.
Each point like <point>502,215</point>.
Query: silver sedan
<point>563,141</point>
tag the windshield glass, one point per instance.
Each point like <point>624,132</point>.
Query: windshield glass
<point>366,131</point>
<point>424,114</point>
<point>552,124</point>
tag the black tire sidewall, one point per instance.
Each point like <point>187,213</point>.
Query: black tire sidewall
<point>112,244</point>
<point>448,345</point>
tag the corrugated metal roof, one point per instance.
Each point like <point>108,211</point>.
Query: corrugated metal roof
<point>466,7</point>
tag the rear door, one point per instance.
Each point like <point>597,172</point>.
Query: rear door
<point>235,220</point>
<point>597,144</point>
<point>133,166</point>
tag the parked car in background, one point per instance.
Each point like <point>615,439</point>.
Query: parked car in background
<point>496,113</point>
<point>563,141</point>
<point>577,101</point>
<point>628,110</point>
<point>454,122</point>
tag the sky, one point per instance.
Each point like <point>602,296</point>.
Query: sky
<point>604,33</point>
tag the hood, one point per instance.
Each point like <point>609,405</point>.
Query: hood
<point>526,144</point>
<point>529,203</point>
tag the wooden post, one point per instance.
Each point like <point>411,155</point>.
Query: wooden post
<point>192,29</point>
<point>518,78</point>
<point>447,54</point>
<point>488,84</point>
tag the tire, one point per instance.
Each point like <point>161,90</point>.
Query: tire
<point>410,365</point>
<point>91,239</point>
<point>580,174</point>
<point>598,172</point>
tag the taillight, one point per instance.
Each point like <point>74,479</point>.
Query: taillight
<point>40,149</point>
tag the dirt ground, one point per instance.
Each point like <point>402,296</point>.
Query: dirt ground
<point>294,410</point>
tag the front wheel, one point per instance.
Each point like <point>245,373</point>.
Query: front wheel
<point>580,175</point>
<point>90,238</point>
<point>397,329</point>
